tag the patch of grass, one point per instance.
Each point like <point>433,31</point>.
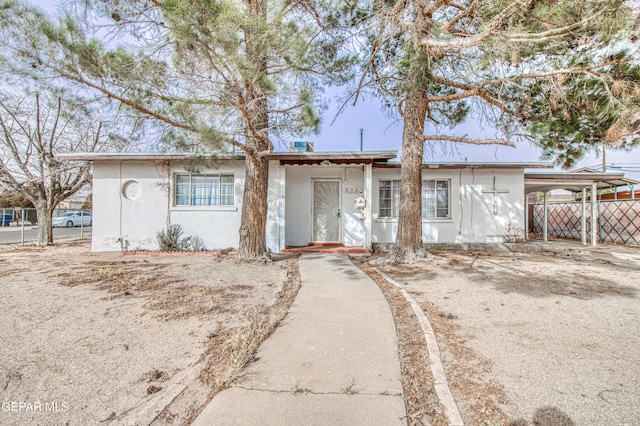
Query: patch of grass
<point>350,389</point>
<point>117,277</point>
<point>188,300</point>
<point>387,392</point>
<point>297,390</point>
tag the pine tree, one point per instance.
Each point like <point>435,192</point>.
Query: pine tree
<point>562,74</point>
<point>234,73</point>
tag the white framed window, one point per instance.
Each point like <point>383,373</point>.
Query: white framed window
<point>204,190</point>
<point>435,198</point>
<point>389,201</point>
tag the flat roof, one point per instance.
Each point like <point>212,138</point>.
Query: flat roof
<point>282,156</point>
<point>474,165</point>
<point>380,159</point>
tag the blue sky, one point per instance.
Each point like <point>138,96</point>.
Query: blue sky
<point>382,132</point>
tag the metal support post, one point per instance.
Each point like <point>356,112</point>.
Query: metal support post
<point>583,219</point>
<point>526,217</point>
<point>594,214</point>
<point>545,222</point>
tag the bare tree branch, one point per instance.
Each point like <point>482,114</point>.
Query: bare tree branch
<point>466,140</point>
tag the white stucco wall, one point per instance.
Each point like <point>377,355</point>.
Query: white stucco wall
<point>137,221</point>
<point>218,226</point>
<point>275,208</point>
<point>471,211</point>
<point>299,202</point>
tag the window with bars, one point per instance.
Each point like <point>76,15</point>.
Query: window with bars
<point>204,190</point>
<point>435,199</point>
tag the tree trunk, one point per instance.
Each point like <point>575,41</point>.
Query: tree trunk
<point>409,247</point>
<point>44,215</point>
<point>253,245</point>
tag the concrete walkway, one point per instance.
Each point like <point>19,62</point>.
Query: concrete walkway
<point>332,361</point>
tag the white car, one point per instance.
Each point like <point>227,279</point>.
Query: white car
<point>71,219</point>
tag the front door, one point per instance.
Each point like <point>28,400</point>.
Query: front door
<point>326,211</point>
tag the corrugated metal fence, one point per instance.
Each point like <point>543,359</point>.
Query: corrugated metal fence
<point>618,220</point>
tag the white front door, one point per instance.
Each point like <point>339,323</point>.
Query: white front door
<point>326,211</point>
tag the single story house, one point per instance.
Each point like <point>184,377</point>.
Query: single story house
<point>347,198</point>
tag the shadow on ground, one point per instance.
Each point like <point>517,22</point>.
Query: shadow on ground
<point>536,279</point>
<point>547,416</point>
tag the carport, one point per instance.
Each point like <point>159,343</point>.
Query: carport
<point>585,180</point>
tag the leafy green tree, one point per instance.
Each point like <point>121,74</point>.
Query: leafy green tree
<point>562,74</point>
<point>232,73</point>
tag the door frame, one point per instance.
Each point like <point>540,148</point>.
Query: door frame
<point>313,213</point>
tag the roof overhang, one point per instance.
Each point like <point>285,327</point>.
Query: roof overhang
<point>145,156</point>
<point>543,182</point>
<point>333,158</point>
<point>345,157</point>
<point>467,165</point>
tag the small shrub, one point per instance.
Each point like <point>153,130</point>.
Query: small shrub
<point>514,235</point>
<point>196,244</point>
<point>171,240</point>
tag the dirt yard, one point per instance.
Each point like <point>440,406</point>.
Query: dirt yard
<point>99,338</point>
<point>546,338</point>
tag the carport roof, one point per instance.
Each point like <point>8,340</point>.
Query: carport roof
<point>573,181</point>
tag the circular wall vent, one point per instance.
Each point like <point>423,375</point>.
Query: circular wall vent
<point>131,190</point>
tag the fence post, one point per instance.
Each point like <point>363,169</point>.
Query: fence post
<point>81,224</point>
<point>545,221</point>
<point>3,213</point>
<point>526,217</point>
<point>600,235</point>
<point>22,222</point>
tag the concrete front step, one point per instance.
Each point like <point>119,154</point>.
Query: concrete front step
<point>328,249</point>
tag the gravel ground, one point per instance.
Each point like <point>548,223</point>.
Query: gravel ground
<point>98,336</point>
<point>546,338</point>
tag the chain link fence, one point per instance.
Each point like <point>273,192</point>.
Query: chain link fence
<point>19,226</point>
<point>618,221</point>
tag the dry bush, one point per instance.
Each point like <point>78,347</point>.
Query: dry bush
<point>230,352</point>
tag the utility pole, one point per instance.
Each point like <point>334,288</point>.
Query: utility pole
<point>604,158</point>
<point>361,131</point>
